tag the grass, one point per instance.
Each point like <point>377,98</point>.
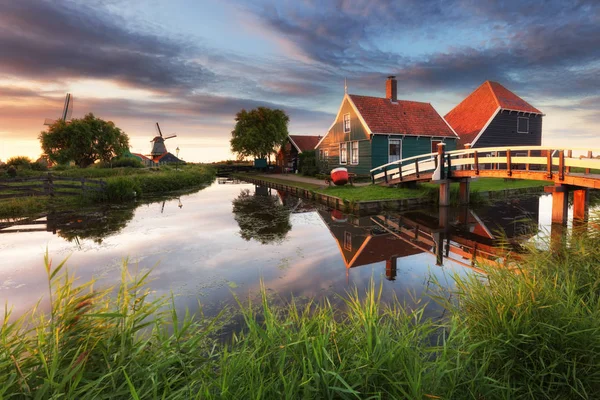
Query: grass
<point>123,184</point>
<point>376,192</point>
<point>373,192</point>
<point>527,333</point>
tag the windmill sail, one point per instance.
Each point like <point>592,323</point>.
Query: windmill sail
<point>66,113</point>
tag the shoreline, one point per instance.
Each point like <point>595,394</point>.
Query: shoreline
<point>366,207</point>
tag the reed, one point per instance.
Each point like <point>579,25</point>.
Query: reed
<point>532,331</point>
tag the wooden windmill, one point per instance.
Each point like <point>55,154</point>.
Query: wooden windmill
<point>159,148</point>
<point>66,113</point>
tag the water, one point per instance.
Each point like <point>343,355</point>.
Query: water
<point>223,240</point>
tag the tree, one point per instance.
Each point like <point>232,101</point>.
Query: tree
<point>259,132</point>
<point>83,141</point>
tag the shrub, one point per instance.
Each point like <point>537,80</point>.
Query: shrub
<point>11,171</point>
<point>308,163</point>
<point>122,162</point>
<point>20,162</point>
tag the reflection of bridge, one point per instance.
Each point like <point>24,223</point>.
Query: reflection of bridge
<point>459,236</point>
<point>568,173</point>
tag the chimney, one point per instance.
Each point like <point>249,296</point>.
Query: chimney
<point>391,89</point>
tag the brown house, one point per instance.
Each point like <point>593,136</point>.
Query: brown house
<point>287,156</point>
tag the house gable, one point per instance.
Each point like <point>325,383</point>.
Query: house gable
<point>474,115</point>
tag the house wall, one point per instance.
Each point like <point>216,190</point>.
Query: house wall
<point>502,131</point>
<point>336,135</point>
<point>411,146</point>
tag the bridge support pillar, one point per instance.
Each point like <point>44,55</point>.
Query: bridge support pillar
<point>580,204</point>
<point>444,193</point>
<point>560,204</point>
<point>464,191</point>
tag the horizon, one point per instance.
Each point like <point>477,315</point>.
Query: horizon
<point>191,66</point>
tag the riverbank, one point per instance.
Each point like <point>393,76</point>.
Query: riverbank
<point>365,199</point>
<point>122,184</point>
<point>532,331</point>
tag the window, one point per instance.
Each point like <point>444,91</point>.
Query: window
<point>347,241</point>
<point>326,154</point>
<point>321,154</point>
<point>343,153</point>
<point>346,123</point>
<point>394,150</point>
<point>522,125</point>
<point>354,153</point>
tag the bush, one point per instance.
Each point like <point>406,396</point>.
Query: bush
<point>20,162</point>
<point>308,163</point>
<point>11,171</point>
<point>122,162</point>
<point>39,166</point>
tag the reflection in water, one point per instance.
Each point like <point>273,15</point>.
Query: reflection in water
<point>260,216</point>
<point>299,249</point>
<point>462,236</point>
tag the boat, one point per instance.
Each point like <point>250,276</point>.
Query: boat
<point>339,176</point>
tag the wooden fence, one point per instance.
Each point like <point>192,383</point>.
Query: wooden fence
<point>49,185</point>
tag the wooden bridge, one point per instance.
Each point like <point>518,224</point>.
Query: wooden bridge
<point>558,166</point>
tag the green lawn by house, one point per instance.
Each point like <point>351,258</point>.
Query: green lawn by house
<point>376,192</point>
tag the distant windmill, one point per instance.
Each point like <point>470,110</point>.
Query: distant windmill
<point>67,111</point>
<point>159,148</point>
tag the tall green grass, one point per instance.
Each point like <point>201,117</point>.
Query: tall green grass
<point>531,333</point>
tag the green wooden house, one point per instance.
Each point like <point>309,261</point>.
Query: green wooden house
<point>371,131</point>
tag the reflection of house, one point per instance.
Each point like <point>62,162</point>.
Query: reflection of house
<point>360,244</point>
<point>467,237</point>
<point>372,131</point>
<point>493,116</point>
<point>287,156</point>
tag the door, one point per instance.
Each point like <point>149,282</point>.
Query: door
<point>394,150</point>
<point>434,144</point>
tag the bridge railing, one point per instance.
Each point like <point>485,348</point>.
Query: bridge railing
<point>405,167</point>
<point>518,158</point>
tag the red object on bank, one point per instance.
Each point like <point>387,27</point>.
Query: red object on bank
<point>339,176</point>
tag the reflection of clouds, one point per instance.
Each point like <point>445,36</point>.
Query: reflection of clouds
<point>195,252</point>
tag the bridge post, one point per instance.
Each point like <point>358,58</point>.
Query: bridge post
<point>467,147</point>
<point>580,204</point>
<point>391,268</point>
<point>560,204</point>
<point>444,183</point>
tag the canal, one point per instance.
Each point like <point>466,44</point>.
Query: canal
<point>225,239</point>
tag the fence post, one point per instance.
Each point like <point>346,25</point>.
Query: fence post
<point>476,161</point>
<point>569,155</point>
<point>508,163</point>
<point>417,168</point>
<point>441,154</point>
<point>449,166</point>
<point>467,147</point>
<point>528,156</point>
<point>400,170</point>
<point>549,163</point>
<point>385,174</point>
<point>83,186</point>
<point>561,165</point>
<point>50,185</point>
<point>587,170</point>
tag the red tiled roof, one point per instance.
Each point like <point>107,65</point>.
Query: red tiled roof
<point>403,117</point>
<point>383,247</point>
<point>143,157</point>
<point>472,114</point>
<point>305,142</point>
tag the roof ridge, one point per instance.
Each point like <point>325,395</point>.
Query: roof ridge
<point>385,98</point>
<point>489,83</point>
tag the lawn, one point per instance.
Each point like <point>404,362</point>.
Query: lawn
<point>373,192</point>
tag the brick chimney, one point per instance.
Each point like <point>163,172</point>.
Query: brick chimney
<point>391,89</point>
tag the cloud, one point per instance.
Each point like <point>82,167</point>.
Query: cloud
<point>45,40</point>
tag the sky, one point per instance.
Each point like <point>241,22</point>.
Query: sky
<point>191,65</point>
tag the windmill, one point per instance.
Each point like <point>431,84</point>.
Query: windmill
<point>159,148</point>
<point>67,111</point>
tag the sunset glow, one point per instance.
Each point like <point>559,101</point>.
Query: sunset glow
<point>191,65</point>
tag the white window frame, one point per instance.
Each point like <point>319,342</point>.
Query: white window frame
<point>352,153</point>
<point>326,154</point>
<point>525,118</point>
<point>346,123</point>
<point>347,241</point>
<point>344,146</point>
<point>400,143</point>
